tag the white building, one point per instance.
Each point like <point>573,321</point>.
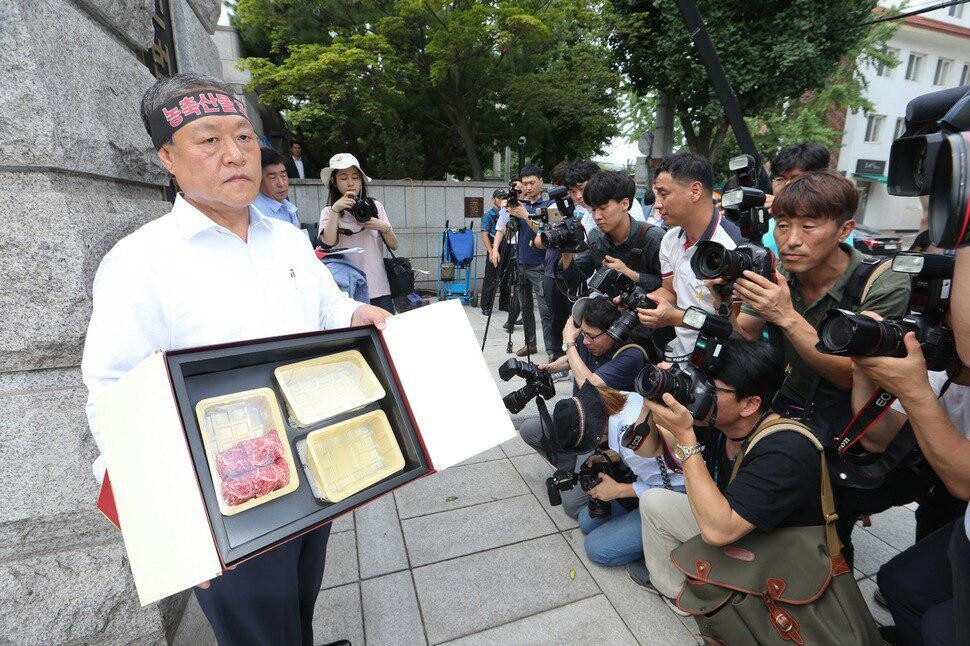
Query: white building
<point>934,53</point>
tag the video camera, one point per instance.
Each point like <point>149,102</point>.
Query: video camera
<point>714,260</point>
<point>364,209</point>
<point>537,384</point>
<point>691,384</point>
<point>568,234</point>
<point>745,205</point>
<point>846,334</point>
<point>588,477</point>
<point>613,284</point>
<point>933,158</point>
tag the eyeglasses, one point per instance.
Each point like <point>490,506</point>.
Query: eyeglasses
<point>724,390</point>
<point>592,337</point>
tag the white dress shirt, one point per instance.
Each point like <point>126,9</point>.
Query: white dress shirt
<point>183,281</point>
<point>299,167</point>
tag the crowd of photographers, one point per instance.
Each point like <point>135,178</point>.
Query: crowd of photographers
<point>815,385</point>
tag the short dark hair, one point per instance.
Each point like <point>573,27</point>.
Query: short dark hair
<point>600,313</point>
<point>559,172</point>
<point>268,156</point>
<point>689,167</point>
<point>530,170</point>
<point>608,185</point>
<point>169,87</point>
<point>806,156</point>
<point>581,172</point>
<point>752,368</point>
<point>824,194</point>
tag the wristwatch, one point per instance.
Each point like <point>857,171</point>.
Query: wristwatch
<point>567,345</point>
<point>682,452</point>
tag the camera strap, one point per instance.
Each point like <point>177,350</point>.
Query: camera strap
<point>638,259</point>
<point>876,465</point>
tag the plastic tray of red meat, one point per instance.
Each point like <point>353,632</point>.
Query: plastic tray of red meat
<point>246,446</point>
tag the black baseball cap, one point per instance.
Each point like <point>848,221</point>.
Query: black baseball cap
<point>500,193</point>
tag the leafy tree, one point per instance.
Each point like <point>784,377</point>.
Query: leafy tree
<point>788,61</point>
<point>423,87</point>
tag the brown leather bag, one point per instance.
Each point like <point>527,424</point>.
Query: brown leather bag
<point>790,585</point>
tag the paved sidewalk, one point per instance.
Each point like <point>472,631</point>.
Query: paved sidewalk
<point>475,555</point>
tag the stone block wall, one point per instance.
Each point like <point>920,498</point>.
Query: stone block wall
<point>78,173</point>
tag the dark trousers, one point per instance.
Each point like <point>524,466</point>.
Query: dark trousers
<point>926,588</point>
<point>269,599</point>
<point>384,302</point>
<point>559,312</point>
<point>489,285</point>
<point>530,282</point>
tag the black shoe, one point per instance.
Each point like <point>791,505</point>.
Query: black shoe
<point>507,328</point>
<point>486,312</point>
<point>889,635</point>
<point>641,576</point>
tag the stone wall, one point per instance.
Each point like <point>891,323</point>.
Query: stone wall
<point>78,173</point>
<point>418,212</point>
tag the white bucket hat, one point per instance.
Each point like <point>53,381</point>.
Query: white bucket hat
<point>341,161</point>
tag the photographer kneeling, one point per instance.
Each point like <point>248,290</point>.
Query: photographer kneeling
<point>613,478</point>
<point>593,355</point>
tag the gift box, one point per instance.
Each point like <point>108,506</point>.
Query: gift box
<point>217,454</point>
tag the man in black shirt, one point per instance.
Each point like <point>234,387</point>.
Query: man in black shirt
<point>778,483</point>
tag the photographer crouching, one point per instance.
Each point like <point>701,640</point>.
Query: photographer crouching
<point>613,476</point>
<point>757,484</point>
<point>596,351</point>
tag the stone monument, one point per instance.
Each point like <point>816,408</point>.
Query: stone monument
<point>77,172</point>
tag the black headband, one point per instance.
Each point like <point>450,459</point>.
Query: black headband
<point>186,108</point>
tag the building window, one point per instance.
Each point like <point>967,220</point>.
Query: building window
<point>900,128</point>
<point>942,71</point>
<point>956,11</point>
<point>873,127</point>
<point>885,70</point>
<point>914,66</point>
<point>965,74</point>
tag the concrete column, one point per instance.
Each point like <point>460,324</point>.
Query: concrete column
<point>78,173</point>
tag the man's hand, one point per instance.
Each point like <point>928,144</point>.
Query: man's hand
<point>904,377</point>
<point>518,211</point>
<point>377,225</point>
<point>772,300</point>
<point>570,332</point>
<point>370,315</point>
<point>660,316</point>
<point>673,416</point>
<point>608,489</point>
<point>620,266</point>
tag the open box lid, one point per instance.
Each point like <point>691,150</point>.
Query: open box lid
<point>449,388</point>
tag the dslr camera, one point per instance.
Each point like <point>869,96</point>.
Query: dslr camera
<point>692,383</point>
<point>568,234</point>
<point>364,209</point>
<point>745,205</point>
<point>714,260</point>
<point>587,478</point>
<point>846,334</point>
<point>537,384</point>
<point>933,158</point>
<point>512,194</point>
<point>614,284</point>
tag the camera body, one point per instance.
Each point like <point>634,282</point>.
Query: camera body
<point>537,384</point>
<point>560,194</point>
<point>512,194</point>
<point>613,284</point>
<point>567,235</point>
<point>692,383</point>
<point>714,260</point>
<point>844,333</point>
<point>745,205</point>
<point>933,158</point>
<point>589,476</point>
<point>364,209</point>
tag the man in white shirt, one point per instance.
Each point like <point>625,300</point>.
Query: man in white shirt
<point>215,270</point>
<point>684,200</point>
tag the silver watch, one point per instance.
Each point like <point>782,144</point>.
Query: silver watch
<point>682,452</point>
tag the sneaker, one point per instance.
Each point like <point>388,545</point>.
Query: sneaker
<point>560,376</point>
<point>525,350</point>
<point>641,576</point>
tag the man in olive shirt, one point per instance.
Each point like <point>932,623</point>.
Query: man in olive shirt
<point>813,216</point>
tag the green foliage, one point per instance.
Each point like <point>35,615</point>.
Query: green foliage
<point>424,87</point>
<point>789,63</point>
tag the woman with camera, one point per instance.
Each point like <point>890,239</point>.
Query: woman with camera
<point>614,477</point>
<point>360,221</point>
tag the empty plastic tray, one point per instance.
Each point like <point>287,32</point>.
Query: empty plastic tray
<point>245,442</point>
<point>352,455</point>
<point>326,386</point>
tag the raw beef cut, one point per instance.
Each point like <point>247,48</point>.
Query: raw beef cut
<point>252,468</point>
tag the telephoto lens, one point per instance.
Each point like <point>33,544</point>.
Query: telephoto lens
<point>714,260</point>
<point>653,382</point>
<point>847,334</point>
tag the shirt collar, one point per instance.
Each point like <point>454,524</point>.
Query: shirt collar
<point>266,203</point>
<point>191,221</point>
<point>708,232</point>
<point>837,289</point>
